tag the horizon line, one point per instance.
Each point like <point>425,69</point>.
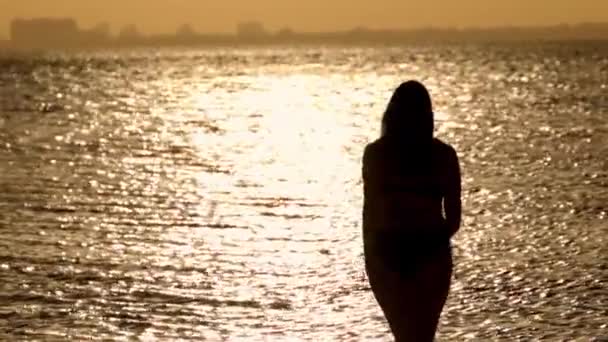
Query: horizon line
<point>279,28</point>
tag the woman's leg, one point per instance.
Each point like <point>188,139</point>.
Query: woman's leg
<point>412,304</point>
<point>432,286</point>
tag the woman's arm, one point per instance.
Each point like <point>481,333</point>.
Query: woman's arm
<point>366,187</point>
<point>371,188</point>
<point>452,201</point>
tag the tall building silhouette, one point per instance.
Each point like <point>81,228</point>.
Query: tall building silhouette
<point>56,32</point>
<point>44,32</point>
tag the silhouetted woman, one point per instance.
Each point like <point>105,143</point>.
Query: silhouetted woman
<point>411,210</point>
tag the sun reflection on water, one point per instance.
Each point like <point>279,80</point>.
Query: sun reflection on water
<point>217,193</point>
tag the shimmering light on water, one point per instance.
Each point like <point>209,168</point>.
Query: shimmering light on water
<point>216,194</point>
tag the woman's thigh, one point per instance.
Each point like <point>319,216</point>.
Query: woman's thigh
<point>412,303</point>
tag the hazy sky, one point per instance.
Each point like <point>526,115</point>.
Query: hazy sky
<point>310,15</point>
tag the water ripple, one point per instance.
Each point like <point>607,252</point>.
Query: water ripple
<point>216,194</point>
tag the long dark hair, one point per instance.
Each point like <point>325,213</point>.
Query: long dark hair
<point>408,121</point>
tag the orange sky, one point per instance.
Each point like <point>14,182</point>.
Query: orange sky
<point>155,16</point>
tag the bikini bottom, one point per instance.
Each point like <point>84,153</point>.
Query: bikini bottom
<point>406,252</point>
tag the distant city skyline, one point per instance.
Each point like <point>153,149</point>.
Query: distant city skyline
<point>165,16</point>
<point>66,33</point>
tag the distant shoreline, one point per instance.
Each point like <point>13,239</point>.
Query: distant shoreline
<point>592,32</point>
<point>308,43</point>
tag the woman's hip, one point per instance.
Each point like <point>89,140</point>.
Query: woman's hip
<point>406,252</point>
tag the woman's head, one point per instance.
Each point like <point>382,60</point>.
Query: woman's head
<point>409,114</point>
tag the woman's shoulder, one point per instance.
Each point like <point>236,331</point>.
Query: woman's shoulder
<point>380,146</point>
<point>373,147</point>
<point>444,153</point>
<point>375,153</point>
<point>443,147</point>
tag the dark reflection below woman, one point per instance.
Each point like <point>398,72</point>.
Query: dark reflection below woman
<point>411,210</point>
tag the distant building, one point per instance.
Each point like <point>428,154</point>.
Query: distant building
<point>185,31</point>
<point>52,32</point>
<point>44,32</point>
<point>251,29</point>
<point>102,29</point>
<point>129,32</point>
<point>285,32</point>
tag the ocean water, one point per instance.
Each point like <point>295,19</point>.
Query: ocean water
<point>215,194</point>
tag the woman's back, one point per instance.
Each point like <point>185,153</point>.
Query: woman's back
<point>404,190</point>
